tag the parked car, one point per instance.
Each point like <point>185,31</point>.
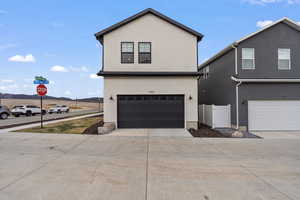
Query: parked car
<point>4,112</point>
<point>59,109</point>
<point>27,110</point>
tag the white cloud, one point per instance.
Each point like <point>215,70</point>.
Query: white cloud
<point>19,58</point>
<point>84,69</point>
<point>6,46</point>
<point>93,94</point>
<point>265,2</point>
<point>293,1</point>
<point>94,76</point>
<point>79,69</point>
<point>3,12</point>
<point>263,23</point>
<point>58,68</point>
<point>3,88</point>
<point>27,86</point>
<point>68,92</point>
<point>9,87</point>
<point>7,81</point>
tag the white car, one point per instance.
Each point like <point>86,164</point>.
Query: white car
<point>27,110</point>
<point>59,109</point>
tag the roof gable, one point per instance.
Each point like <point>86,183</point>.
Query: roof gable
<point>285,20</point>
<point>100,34</point>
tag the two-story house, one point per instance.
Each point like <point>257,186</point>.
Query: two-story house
<point>150,70</point>
<point>259,76</point>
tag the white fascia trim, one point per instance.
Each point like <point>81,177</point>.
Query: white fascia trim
<point>265,80</point>
<point>266,27</point>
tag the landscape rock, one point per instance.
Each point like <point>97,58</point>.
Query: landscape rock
<point>106,128</point>
<point>237,134</point>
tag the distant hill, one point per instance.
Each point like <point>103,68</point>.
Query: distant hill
<point>26,96</point>
<point>91,99</point>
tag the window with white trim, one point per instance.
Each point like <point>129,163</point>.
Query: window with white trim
<point>248,58</point>
<point>127,52</point>
<point>145,52</point>
<point>206,72</point>
<point>284,59</point>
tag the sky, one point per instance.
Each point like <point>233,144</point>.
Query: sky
<point>55,38</point>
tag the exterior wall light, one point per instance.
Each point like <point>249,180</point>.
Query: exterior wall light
<point>190,97</point>
<point>111,98</point>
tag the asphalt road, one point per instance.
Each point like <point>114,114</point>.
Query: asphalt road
<point>15,121</point>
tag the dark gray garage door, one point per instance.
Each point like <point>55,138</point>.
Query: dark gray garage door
<point>150,111</point>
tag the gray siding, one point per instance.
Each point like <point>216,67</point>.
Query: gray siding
<point>265,91</point>
<point>266,45</point>
<point>219,89</point>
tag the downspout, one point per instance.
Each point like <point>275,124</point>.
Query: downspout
<point>237,104</point>
<point>235,59</point>
<point>236,86</point>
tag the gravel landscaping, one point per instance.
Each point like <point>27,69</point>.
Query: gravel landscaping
<point>205,131</point>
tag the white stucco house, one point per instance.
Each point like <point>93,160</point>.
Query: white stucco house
<point>150,72</point>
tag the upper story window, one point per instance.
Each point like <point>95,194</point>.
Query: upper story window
<point>145,52</point>
<point>205,72</point>
<point>127,52</point>
<point>248,58</point>
<point>284,59</point>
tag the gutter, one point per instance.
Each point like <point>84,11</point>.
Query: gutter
<point>266,80</point>
<point>145,73</point>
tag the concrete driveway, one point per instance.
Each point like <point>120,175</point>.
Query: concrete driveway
<point>77,167</point>
<point>165,132</point>
<point>278,134</point>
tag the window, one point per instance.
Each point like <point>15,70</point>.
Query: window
<point>205,72</point>
<point>145,52</point>
<point>284,59</point>
<point>127,52</point>
<point>248,61</point>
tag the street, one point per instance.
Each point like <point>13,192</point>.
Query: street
<point>11,121</point>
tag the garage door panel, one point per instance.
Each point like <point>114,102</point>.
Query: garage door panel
<point>274,115</point>
<point>151,111</point>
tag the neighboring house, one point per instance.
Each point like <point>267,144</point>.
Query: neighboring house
<point>259,76</point>
<point>150,72</point>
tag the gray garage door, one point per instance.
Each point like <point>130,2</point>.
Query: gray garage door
<point>150,111</point>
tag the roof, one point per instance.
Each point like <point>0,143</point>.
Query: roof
<point>285,20</point>
<point>100,34</point>
<point>126,73</point>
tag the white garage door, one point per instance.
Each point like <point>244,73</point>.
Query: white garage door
<point>274,115</point>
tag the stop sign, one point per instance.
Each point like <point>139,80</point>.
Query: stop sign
<point>41,90</point>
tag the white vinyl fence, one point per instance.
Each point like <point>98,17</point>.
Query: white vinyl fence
<point>215,116</point>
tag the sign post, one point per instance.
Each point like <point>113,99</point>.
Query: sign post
<point>41,90</point>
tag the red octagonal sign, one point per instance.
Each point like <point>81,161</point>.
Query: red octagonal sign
<point>41,90</point>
